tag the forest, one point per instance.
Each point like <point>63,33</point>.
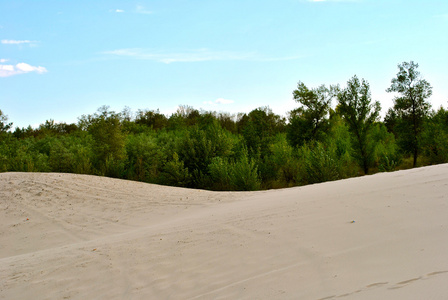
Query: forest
<point>334,133</point>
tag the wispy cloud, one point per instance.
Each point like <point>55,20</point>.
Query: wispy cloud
<point>219,101</point>
<point>20,68</point>
<point>3,60</point>
<point>16,42</point>
<point>197,55</point>
<point>140,9</point>
<point>19,42</point>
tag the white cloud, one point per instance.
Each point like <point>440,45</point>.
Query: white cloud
<point>186,56</point>
<point>223,101</point>
<point>119,10</point>
<point>197,55</point>
<point>3,60</point>
<point>219,101</point>
<point>16,42</point>
<point>20,68</point>
<point>141,10</point>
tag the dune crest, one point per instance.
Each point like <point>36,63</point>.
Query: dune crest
<point>66,236</point>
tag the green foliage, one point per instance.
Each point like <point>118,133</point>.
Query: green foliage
<point>320,163</point>
<point>238,175</point>
<point>25,158</point>
<point>144,160</point>
<point>245,175</point>
<point>360,114</point>
<point>175,173</point>
<point>386,154</point>
<point>114,167</point>
<point>309,122</point>
<point>258,128</point>
<point>200,146</point>
<point>109,140</point>
<point>220,170</point>
<point>4,126</point>
<point>61,159</point>
<point>411,107</point>
<point>280,168</point>
<point>153,119</point>
<point>435,137</point>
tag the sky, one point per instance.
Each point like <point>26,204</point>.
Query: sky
<point>62,59</point>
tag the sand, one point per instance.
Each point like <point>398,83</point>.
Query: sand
<point>65,236</point>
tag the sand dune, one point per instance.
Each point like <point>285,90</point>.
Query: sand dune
<point>65,236</point>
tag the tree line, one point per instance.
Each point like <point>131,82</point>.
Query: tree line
<point>257,150</point>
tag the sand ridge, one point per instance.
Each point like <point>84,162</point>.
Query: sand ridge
<point>66,236</point>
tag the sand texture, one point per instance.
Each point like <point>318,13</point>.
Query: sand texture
<point>65,236</point>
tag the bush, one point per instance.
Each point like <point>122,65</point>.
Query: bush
<point>26,159</point>
<point>320,163</point>
<point>244,175</point>
<point>198,148</point>
<point>237,175</point>
<point>144,160</point>
<point>175,173</point>
<point>280,168</point>
<point>386,154</point>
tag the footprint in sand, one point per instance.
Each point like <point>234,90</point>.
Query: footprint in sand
<point>376,284</point>
<point>401,284</point>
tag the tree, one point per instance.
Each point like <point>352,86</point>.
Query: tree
<point>360,114</point>
<point>435,137</point>
<point>258,128</point>
<point>310,120</point>
<point>3,125</point>
<point>109,140</point>
<point>151,118</point>
<point>411,106</point>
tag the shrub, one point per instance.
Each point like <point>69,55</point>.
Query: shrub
<point>320,163</point>
<point>175,173</point>
<point>236,175</point>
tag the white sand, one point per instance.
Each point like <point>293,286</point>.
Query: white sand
<point>68,236</point>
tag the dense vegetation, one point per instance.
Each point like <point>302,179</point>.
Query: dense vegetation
<point>258,150</point>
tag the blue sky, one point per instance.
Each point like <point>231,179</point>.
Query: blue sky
<point>62,59</point>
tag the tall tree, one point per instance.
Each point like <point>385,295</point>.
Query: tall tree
<point>357,109</point>
<point>3,125</point>
<point>310,120</point>
<point>259,127</point>
<point>109,140</point>
<point>411,106</point>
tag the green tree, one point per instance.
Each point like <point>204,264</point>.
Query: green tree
<point>236,175</point>
<point>355,105</point>
<point>435,137</point>
<point>153,119</point>
<point>310,121</point>
<point>199,146</point>
<point>258,128</point>
<point>4,126</point>
<point>109,140</point>
<point>144,157</point>
<point>320,163</point>
<point>411,106</point>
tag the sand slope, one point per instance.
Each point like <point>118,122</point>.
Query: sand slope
<point>65,236</point>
